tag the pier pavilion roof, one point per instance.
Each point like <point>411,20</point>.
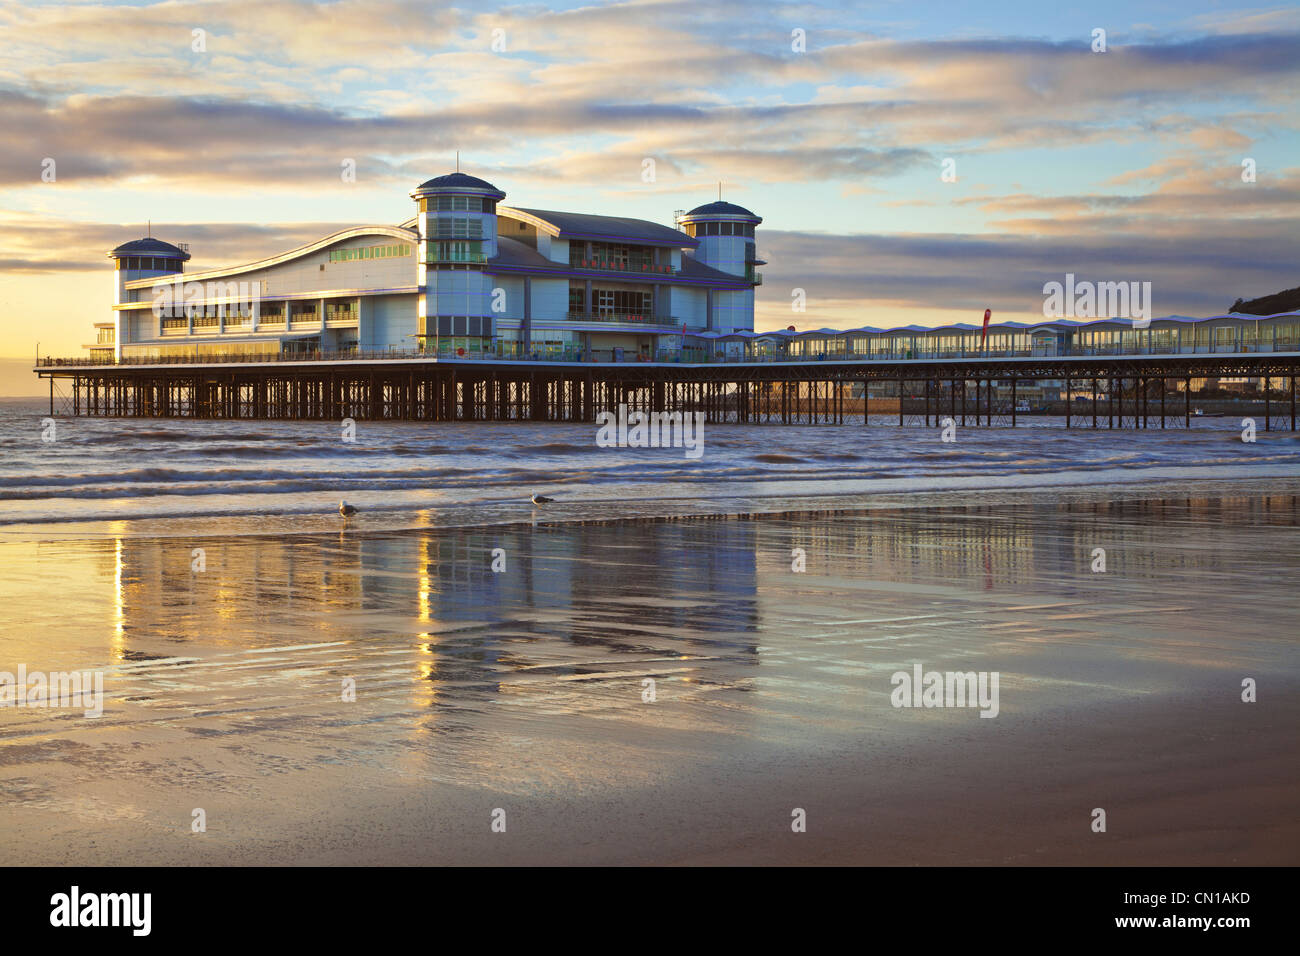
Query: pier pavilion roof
<point>1048,325</point>
<point>578,225</point>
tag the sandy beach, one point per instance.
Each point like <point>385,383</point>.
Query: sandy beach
<point>524,689</point>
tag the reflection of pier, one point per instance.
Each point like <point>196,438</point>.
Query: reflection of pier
<point>609,597</point>
<point>1093,391</point>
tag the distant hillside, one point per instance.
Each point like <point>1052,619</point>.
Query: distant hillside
<point>1287,301</point>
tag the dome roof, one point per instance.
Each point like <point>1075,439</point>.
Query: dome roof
<point>457,181</point>
<point>721,208</point>
<point>150,247</point>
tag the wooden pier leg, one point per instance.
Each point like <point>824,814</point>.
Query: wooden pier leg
<point>1094,402</point>
<point>1013,401</point>
<point>1163,380</point>
<point>1187,402</point>
<point>1268,408</point>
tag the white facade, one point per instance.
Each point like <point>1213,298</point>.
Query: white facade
<point>465,276</point>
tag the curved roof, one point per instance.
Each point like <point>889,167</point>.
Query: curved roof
<point>149,246</point>
<point>457,181</point>
<point>393,232</point>
<point>577,225</point>
<point>721,208</point>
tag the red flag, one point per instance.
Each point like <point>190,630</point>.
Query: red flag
<point>985,334</point>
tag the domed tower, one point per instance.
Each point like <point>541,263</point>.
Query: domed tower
<point>457,222</point>
<point>726,235</point>
<point>145,258</point>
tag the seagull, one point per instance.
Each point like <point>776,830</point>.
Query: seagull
<point>541,499</point>
<point>346,510</point>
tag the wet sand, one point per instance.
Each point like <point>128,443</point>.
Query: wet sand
<point>522,690</point>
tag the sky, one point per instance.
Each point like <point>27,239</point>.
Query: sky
<point>913,162</point>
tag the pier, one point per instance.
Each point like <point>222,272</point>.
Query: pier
<point>1087,391</point>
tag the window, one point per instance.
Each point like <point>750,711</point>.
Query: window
<point>456,252</point>
<point>369,252</point>
<point>460,204</point>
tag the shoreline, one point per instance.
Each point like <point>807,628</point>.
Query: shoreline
<point>514,512</point>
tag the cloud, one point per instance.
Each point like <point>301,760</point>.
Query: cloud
<point>866,279</point>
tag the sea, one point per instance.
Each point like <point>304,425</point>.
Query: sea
<point>163,476</point>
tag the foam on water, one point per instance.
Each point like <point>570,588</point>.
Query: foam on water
<point>172,471</point>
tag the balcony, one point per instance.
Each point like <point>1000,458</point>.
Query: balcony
<point>629,266</point>
<point>754,276</point>
<point>632,319</point>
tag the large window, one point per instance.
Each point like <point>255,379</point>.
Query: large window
<point>621,302</point>
<point>611,255</point>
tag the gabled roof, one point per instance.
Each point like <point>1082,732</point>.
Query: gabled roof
<point>512,252</point>
<point>693,269</point>
<point>577,225</point>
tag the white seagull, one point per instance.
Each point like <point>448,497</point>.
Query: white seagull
<point>346,510</point>
<point>541,499</point>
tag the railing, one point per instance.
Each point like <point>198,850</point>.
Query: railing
<point>634,318</point>
<point>692,355</point>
